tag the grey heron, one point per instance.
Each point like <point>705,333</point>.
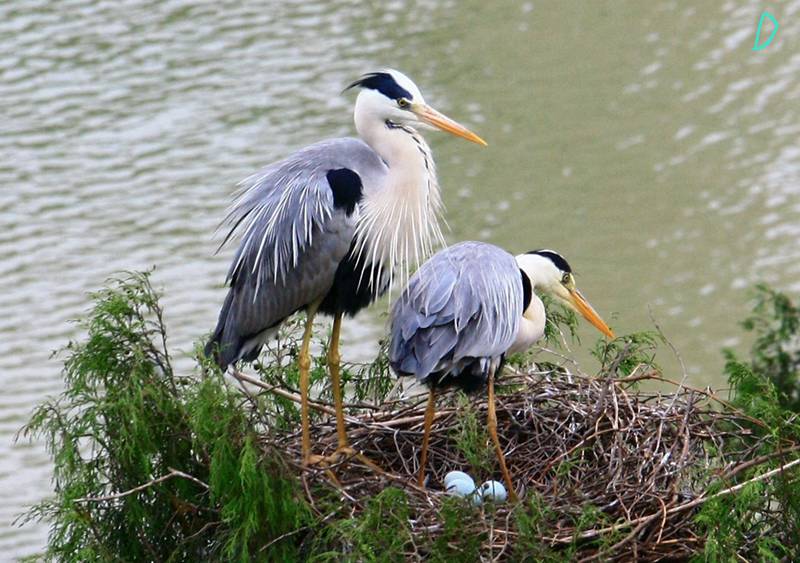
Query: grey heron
<point>324,229</point>
<point>468,307</point>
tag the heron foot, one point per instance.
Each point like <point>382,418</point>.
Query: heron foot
<point>341,455</point>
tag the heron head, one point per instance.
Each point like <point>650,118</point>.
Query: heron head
<point>550,273</point>
<point>390,96</point>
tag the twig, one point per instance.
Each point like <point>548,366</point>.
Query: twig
<point>758,461</point>
<point>709,394</point>
<point>674,351</point>
<point>172,473</point>
<point>680,508</point>
<point>282,392</point>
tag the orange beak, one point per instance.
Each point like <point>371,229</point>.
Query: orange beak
<point>432,117</point>
<point>588,312</point>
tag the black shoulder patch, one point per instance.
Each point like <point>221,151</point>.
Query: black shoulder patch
<point>527,291</point>
<point>555,258</point>
<point>383,83</point>
<point>346,187</point>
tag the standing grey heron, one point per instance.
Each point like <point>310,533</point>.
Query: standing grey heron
<point>324,229</point>
<point>467,308</point>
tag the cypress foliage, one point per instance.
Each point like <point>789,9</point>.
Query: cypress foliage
<point>763,519</point>
<point>150,466</point>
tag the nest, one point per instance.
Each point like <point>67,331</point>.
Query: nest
<point>643,460</point>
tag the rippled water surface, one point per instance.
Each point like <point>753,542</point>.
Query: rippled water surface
<point>643,140</point>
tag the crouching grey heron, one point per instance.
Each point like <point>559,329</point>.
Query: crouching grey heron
<point>324,229</point>
<point>468,307</point>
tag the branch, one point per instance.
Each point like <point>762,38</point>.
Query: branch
<point>328,410</point>
<point>295,397</point>
<point>172,473</point>
<point>282,392</point>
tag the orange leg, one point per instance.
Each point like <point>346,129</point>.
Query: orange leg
<point>333,367</point>
<point>304,363</point>
<point>343,449</point>
<point>423,459</point>
<point>492,423</point>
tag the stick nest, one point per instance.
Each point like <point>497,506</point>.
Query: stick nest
<point>643,461</point>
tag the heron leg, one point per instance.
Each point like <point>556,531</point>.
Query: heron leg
<point>423,458</point>
<point>333,367</point>
<point>492,424</point>
<point>304,363</point>
<point>343,450</point>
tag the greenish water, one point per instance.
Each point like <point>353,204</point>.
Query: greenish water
<point>643,140</point>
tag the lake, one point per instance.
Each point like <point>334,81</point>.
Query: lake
<point>645,141</point>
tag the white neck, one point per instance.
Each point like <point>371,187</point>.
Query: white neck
<point>398,225</point>
<point>544,277</point>
<point>531,326</point>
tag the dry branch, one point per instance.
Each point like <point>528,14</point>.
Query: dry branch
<point>172,473</point>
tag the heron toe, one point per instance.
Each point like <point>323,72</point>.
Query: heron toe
<point>340,456</point>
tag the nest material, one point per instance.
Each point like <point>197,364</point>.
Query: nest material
<point>642,459</point>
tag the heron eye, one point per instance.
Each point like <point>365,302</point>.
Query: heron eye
<point>403,103</point>
<point>565,279</point>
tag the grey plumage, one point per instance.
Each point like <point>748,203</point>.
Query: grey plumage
<point>460,312</point>
<point>293,239</point>
<point>279,208</point>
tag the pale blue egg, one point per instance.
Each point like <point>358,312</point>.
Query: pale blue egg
<point>493,491</point>
<point>457,475</point>
<point>461,487</point>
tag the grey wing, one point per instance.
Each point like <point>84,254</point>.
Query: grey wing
<point>280,209</point>
<point>294,232</point>
<point>464,303</point>
<point>252,310</point>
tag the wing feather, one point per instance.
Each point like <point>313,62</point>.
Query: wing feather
<point>293,238</point>
<point>279,209</point>
<point>464,303</point>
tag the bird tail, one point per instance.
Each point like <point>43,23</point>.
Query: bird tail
<point>224,346</point>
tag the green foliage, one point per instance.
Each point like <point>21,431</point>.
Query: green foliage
<point>775,354</point>
<point>561,322</point>
<point>149,465</point>
<point>621,356</point>
<point>753,393</point>
<point>461,536</point>
<point>740,524</point>
<point>472,438</point>
<point>591,517</point>
<point>730,522</point>
<point>254,495</point>
<point>739,520</point>
<point>762,519</point>
<point>372,381</point>
<point>534,520</point>
<point>380,533</point>
<point>278,366</point>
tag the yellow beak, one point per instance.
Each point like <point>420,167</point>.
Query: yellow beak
<point>432,117</point>
<point>588,312</point>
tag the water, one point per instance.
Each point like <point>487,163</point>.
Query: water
<point>645,141</point>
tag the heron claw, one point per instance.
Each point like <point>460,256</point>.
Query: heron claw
<point>342,454</point>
